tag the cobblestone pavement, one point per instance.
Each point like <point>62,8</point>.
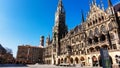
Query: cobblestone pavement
<point>44,66</point>
<point>53,66</point>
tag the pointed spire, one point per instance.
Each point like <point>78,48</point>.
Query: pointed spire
<point>60,3</point>
<point>109,3</point>
<point>90,4</point>
<point>94,2</point>
<point>60,6</point>
<point>82,15</point>
<point>49,37</point>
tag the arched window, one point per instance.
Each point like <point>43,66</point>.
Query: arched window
<point>89,41</point>
<point>99,19</point>
<point>102,18</point>
<point>96,20</point>
<point>102,38</point>
<point>97,48</point>
<point>95,39</point>
<point>103,29</point>
<point>93,22</point>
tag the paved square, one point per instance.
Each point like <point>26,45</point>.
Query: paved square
<point>41,66</point>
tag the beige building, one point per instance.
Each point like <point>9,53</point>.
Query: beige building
<point>29,54</point>
<point>81,45</point>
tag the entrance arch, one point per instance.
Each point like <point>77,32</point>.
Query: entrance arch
<point>102,38</point>
<point>76,60</point>
<point>62,60</point>
<point>71,60</point>
<point>82,59</point>
<point>94,61</point>
<point>58,61</point>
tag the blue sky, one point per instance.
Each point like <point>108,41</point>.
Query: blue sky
<point>24,21</point>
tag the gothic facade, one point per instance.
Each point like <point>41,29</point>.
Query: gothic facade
<point>81,45</point>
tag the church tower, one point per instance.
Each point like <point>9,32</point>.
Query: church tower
<point>60,28</point>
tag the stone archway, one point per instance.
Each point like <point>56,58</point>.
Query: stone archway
<point>76,60</point>
<point>102,38</point>
<point>61,60</point>
<point>94,61</point>
<point>71,60</point>
<point>97,48</point>
<point>92,49</point>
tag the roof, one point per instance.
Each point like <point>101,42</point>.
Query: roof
<point>2,48</point>
<point>117,7</point>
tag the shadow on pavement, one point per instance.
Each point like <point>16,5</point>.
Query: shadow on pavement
<point>13,65</point>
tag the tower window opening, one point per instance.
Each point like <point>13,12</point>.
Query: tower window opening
<point>102,37</point>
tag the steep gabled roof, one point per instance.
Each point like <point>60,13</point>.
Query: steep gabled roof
<point>117,7</point>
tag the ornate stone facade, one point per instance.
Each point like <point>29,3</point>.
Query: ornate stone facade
<point>81,45</point>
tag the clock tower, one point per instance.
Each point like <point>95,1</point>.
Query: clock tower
<point>59,29</point>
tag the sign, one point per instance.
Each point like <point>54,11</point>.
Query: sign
<point>106,62</point>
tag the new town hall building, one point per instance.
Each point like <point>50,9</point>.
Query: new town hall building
<point>81,45</point>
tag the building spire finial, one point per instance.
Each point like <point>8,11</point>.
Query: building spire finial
<point>60,3</point>
<point>60,7</point>
<point>90,4</point>
<point>94,2</point>
<point>109,3</point>
<point>82,15</point>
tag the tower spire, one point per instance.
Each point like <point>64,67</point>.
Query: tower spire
<point>90,4</point>
<point>109,3</point>
<point>60,3</point>
<point>60,7</point>
<point>94,2</point>
<point>82,15</point>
